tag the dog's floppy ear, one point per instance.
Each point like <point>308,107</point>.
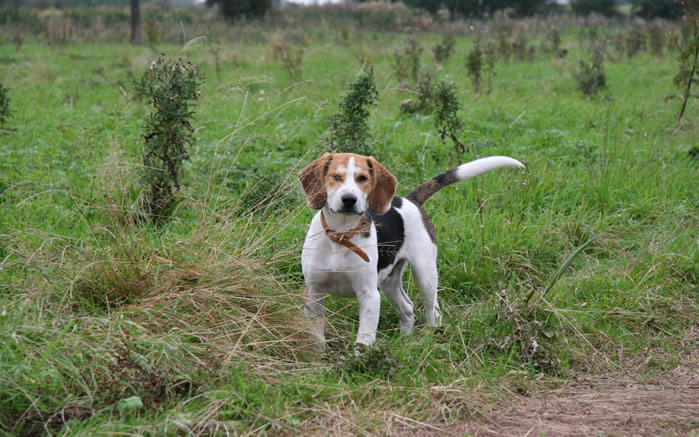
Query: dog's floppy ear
<point>312,179</point>
<point>383,187</point>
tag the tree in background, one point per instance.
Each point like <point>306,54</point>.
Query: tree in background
<point>478,8</point>
<point>656,8</point>
<point>135,22</point>
<point>232,9</point>
<point>603,7</point>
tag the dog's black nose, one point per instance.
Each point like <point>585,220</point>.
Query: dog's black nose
<point>348,200</point>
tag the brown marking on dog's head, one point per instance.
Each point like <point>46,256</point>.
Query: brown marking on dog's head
<point>312,179</point>
<point>383,187</point>
<point>330,172</point>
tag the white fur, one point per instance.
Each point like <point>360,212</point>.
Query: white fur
<point>349,186</point>
<point>474,168</point>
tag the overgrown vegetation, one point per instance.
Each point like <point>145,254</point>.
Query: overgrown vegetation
<point>5,110</point>
<point>590,75</point>
<point>446,119</point>
<point>406,59</point>
<point>444,49</point>
<point>171,87</point>
<point>581,268</point>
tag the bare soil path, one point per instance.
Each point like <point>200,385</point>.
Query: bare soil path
<point>601,405</point>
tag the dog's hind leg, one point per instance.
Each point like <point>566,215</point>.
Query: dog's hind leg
<point>392,288</point>
<point>426,277</point>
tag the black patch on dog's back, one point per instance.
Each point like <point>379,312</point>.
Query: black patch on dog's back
<point>390,233</point>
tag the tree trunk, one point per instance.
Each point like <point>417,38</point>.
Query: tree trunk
<point>135,22</point>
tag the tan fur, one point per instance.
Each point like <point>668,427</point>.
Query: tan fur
<point>312,179</point>
<point>383,187</point>
<point>326,174</point>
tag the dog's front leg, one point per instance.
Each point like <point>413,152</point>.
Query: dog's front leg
<point>314,309</point>
<point>369,306</point>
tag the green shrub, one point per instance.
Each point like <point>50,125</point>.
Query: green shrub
<point>424,91</point>
<point>590,76</point>
<point>446,120</point>
<point>474,65</point>
<point>349,130</point>
<point>170,86</point>
<point>406,59</point>
<point>5,111</point>
<point>444,49</point>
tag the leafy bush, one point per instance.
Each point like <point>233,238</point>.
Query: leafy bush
<point>656,38</point>
<point>5,111</point>
<point>290,56</point>
<point>446,120</point>
<point>424,90</point>
<point>635,40</point>
<point>444,50</point>
<point>406,59</point>
<point>170,86</point>
<point>590,76</point>
<point>474,65</point>
<point>349,130</point>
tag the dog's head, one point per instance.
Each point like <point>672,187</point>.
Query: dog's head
<point>348,184</point>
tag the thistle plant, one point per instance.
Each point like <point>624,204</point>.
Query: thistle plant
<point>171,87</point>
<point>424,92</point>
<point>444,49</point>
<point>5,111</point>
<point>491,56</point>
<point>406,59</point>
<point>349,130</point>
<point>446,120</point>
<point>590,76</point>
<point>474,65</point>
<point>635,40</point>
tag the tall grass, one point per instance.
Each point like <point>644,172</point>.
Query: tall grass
<point>196,326</point>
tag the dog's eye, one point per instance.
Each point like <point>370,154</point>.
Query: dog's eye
<point>337,177</point>
<point>361,179</point>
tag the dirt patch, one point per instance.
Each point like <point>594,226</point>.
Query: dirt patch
<point>601,406</point>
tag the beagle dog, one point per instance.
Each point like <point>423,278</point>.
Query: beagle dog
<point>363,236</point>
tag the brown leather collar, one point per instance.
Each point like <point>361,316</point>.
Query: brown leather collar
<point>344,237</point>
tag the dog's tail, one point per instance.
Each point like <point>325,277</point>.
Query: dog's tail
<point>464,171</point>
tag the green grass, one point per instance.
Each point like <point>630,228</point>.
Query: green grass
<point>201,318</point>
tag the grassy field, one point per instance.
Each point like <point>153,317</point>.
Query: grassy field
<point>196,326</point>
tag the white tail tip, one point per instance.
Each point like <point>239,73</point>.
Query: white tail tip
<point>473,168</point>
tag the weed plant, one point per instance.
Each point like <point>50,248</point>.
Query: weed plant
<point>424,92</point>
<point>656,38</point>
<point>406,59</point>
<point>444,49</point>
<point>171,87</point>
<point>196,326</point>
<point>474,65</point>
<point>635,40</point>
<point>349,127</point>
<point>5,109</point>
<point>490,56</point>
<point>446,119</point>
<point>590,75</point>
